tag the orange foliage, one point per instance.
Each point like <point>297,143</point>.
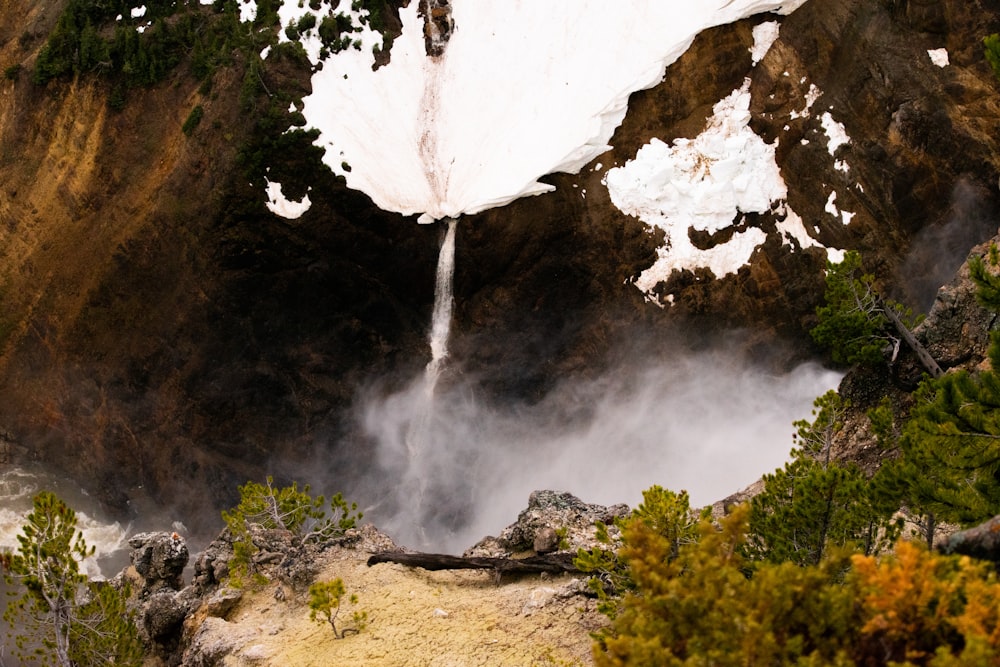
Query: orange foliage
<point>921,608</point>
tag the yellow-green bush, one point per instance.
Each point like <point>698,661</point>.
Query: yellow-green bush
<point>711,605</point>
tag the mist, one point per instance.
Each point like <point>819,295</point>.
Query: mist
<point>450,468</point>
<point>939,249</point>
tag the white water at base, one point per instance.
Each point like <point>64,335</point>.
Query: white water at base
<point>18,487</point>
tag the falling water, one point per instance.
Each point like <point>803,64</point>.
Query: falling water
<point>418,473</point>
<point>441,317</point>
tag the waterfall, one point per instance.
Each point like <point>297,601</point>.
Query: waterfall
<point>443,300</point>
<point>418,482</point>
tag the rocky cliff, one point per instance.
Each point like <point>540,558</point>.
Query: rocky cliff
<point>164,337</point>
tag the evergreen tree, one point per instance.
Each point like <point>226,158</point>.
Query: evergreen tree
<point>992,50</point>
<point>950,463</point>
<point>951,447</point>
<point>897,481</point>
<point>710,606</point>
<point>816,502</point>
<point>267,507</point>
<point>325,601</point>
<point>701,608</point>
<point>666,513</point>
<point>858,325</point>
<point>75,623</point>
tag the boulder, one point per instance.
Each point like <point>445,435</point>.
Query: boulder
<point>550,518</point>
<point>159,558</point>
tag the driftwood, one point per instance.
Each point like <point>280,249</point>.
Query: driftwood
<point>551,563</point>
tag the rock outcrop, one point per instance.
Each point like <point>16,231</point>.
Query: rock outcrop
<point>553,521</point>
<point>155,579</point>
<point>956,332</point>
<point>210,622</point>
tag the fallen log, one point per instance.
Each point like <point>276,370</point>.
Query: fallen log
<point>982,541</point>
<point>551,563</point>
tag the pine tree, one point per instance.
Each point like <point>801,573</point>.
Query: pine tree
<point>701,608</point>
<point>991,45</point>
<point>815,502</point>
<point>858,325</point>
<point>267,507</point>
<point>897,481</point>
<point>75,622</point>
<point>951,444</point>
<point>666,513</point>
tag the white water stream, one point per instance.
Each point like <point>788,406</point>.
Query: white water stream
<point>18,486</point>
<point>443,301</point>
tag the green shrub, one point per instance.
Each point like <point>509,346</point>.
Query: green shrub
<point>662,511</point>
<point>193,119</point>
<point>307,22</point>
<point>265,507</point>
<point>710,605</point>
<point>992,50</point>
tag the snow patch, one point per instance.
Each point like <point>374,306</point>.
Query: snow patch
<point>792,228</point>
<point>363,38</point>
<point>248,11</point>
<point>832,209</point>
<point>811,96</point>
<point>702,184</point>
<point>835,132</point>
<point>417,133</point>
<point>939,57</point>
<point>831,206</point>
<point>706,184</point>
<point>835,255</point>
<point>764,35</point>
<point>285,208</point>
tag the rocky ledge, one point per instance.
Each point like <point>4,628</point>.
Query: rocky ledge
<point>413,616</point>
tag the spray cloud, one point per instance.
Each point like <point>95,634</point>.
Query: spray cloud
<point>708,422</point>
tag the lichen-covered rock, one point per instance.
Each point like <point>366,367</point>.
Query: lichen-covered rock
<point>554,521</point>
<point>162,614</point>
<point>957,329</point>
<point>222,601</point>
<point>211,566</point>
<point>159,558</point>
<point>214,640</point>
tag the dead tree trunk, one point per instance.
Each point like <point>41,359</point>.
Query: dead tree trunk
<point>551,563</point>
<point>926,360</point>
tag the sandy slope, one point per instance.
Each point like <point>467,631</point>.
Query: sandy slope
<point>415,617</point>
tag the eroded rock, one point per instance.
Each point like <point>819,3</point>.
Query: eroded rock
<point>159,558</point>
<point>554,521</point>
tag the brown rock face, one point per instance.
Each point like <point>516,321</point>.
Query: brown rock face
<point>164,338</point>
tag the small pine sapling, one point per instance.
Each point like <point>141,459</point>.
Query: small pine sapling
<point>325,598</point>
<point>664,513</point>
